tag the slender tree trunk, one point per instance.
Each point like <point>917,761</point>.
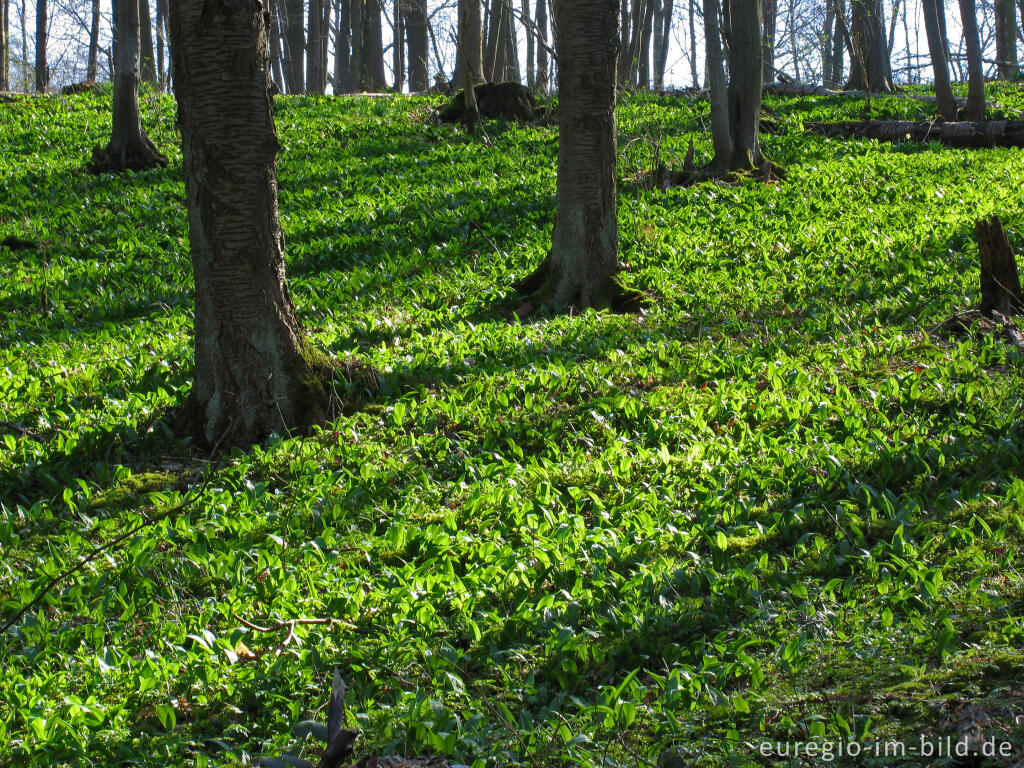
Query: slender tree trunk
<point>161,46</point>
<point>504,60</point>
<point>721,135</point>
<point>295,43</point>
<point>398,47</point>
<point>542,51</point>
<point>358,60</point>
<point>933,30</point>
<point>975,109</point>
<point>419,74</point>
<point>1006,39</point>
<point>693,44</point>
<point>92,62</point>
<point>631,44</point>
<point>837,42</point>
<point>255,373</point>
<point>42,68</point>
<point>625,35</point>
<point>583,261</point>
<point>771,15</point>
<point>325,39</point>
<point>792,40</point>
<point>276,51</point>
<point>147,63</point>
<point>314,64</point>
<point>869,41</point>
<point>826,46</point>
<point>531,55</point>
<point>661,51</point>
<point>129,148</point>
<point>5,42</point>
<point>342,51</point>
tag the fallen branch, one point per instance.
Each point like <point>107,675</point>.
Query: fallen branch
<point>965,135</point>
<point>290,624</point>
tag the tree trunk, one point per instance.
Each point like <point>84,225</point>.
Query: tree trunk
<point>826,46</point>
<point>42,68</point>
<point>147,64</point>
<point>129,148</point>
<point>5,38</point>
<point>342,49</point>
<point>314,47</point>
<point>868,39</point>
<point>358,60</point>
<point>541,85</point>
<point>255,373</point>
<point>579,271</point>
<point>325,39</point>
<point>975,74</point>
<point>771,15</point>
<point>745,69</point>
<point>643,70</point>
<point>470,56</point>
<point>1000,280</point>
<point>92,61</point>
<point>837,42</point>
<point>373,46</point>
<point>661,51</point>
<point>419,74</point>
<point>294,44</point>
<point>1006,39</point>
<point>721,136</point>
<point>531,55</point>
<point>693,45</point>
<point>398,47</point>
<point>276,51</point>
<point>503,60</point>
<point>937,49</point>
<point>792,41</point>
<point>161,46</point>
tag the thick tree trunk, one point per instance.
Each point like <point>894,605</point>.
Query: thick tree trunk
<point>975,74</point>
<point>255,373</point>
<point>745,69</point>
<point>1006,39</point>
<point>583,261</point>
<point>358,59</point>
<point>419,74</point>
<point>771,15</point>
<point>826,46</point>
<point>937,49</point>
<point>147,62</point>
<point>314,48</point>
<point>129,148</point>
<point>373,46</point>
<point>470,56</point>
<point>42,68</point>
<point>870,47</point>
<point>721,136</point>
<point>294,42</point>
<point>1000,280</point>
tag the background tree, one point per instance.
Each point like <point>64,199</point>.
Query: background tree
<point>418,30</point>
<point>147,60</point>
<point>469,56</point>
<point>583,261</point>
<point>94,43</point>
<point>42,68</point>
<point>255,372</point>
<point>294,44</point>
<point>975,109</point>
<point>5,41</point>
<point>129,148</point>
<point>937,50</point>
<point>771,14</point>
<point>871,71</point>
<point>1006,38</point>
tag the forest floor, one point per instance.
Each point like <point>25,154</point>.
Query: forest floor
<point>774,513</point>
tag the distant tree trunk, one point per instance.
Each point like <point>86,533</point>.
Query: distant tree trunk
<point>937,49</point>
<point>975,109</point>
<point>161,46</point>
<point>42,68</point>
<point>276,51</point>
<point>542,51</point>
<point>398,47</point>
<point>643,71</point>
<point>419,72</point>
<point>5,42</point>
<point>92,60</point>
<point>721,135</point>
<point>630,42</point>
<point>358,60</point>
<point>373,46</point>
<point>792,40</point>
<point>745,70</point>
<point>826,46</point>
<point>314,48</point>
<point>255,372</point>
<point>771,15</point>
<point>470,56</point>
<point>870,45</point>
<point>325,39</point>
<point>342,50</point>
<point>693,45</point>
<point>147,63</point>
<point>129,148</point>
<point>531,45</point>
<point>663,26</point>
<point>837,42</point>
<point>579,271</point>
<point>1006,39</point>
<point>503,59</point>
<point>625,33</point>
<point>295,42</point>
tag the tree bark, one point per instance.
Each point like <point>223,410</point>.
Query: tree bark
<point>826,46</point>
<point>661,50</point>
<point>342,49</point>
<point>1006,38</point>
<point>975,74</point>
<point>5,42</point>
<point>129,148</point>
<point>503,60</point>
<point>542,80</point>
<point>745,69</point>
<point>161,45</point>
<point>147,63</point>
<point>940,68</point>
<point>417,30</point>
<point>868,39</point>
<point>398,47</point>
<point>295,43</point>
<point>643,69</point>
<point>276,50</point>
<point>837,42</point>
<point>1000,280</point>
<point>579,272</point>
<point>470,56</point>
<point>314,48</point>
<point>255,372</point>
<point>721,136</point>
<point>771,15</point>
<point>693,44</point>
<point>42,68</point>
<point>358,63</point>
<point>373,46</point>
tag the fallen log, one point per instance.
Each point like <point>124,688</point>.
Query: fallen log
<point>967,135</point>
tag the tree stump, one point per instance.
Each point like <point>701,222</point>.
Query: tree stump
<point>1000,280</point>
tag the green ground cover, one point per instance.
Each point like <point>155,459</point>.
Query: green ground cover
<point>772,509</point>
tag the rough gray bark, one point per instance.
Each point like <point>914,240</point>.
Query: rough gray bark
<point>276,49</point>
<point>342,49</point>
<point>745,68</point>
<point>92,59</point>
<point>937,48</point>
<point>662,28</point>
<point>721,136</point>
<point>42,68</point>
<point>373,47</point>
<point>291,14</point>
<point>771,14</point>
<point>417,30</point>
<point>469,56</point>
<point>502,63</point>
<point>542,80</point>
<point>826,45</point>
<point>255,373</point>
<point>356,65</point>
<point>583,261</point>
<point>129,148</point>
<point>314,48</point>
<point>147,61</point>
<point>870,47</point>
<point>975,74</point>
<point>161,45</point>
<point>1006,38</point>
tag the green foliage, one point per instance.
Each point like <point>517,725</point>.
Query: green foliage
<point>774,508</point>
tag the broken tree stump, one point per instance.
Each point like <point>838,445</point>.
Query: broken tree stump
<point>964,135</point>
<point>1000,280</point>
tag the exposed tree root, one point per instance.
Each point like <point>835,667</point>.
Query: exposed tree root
<point>767,171</point>
<point>139,154</point>
<point>547,288</point>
